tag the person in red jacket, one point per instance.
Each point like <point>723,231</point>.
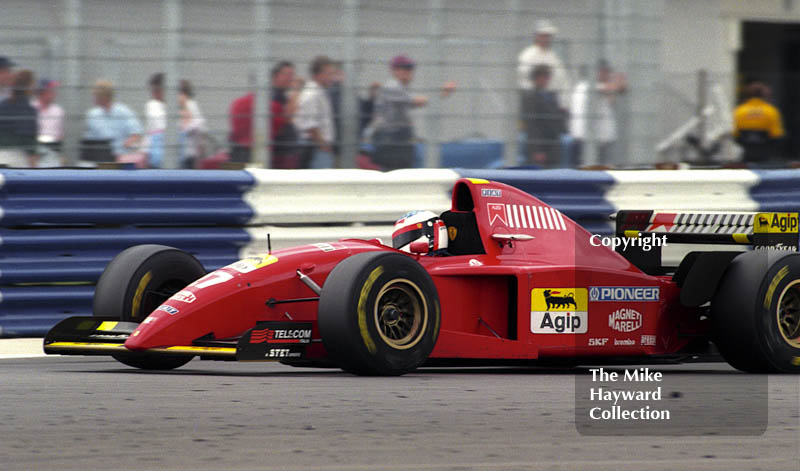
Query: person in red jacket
<point>285,93</point>
<point>283,104</point>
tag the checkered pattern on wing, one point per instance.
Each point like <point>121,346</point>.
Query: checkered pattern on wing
<point>704,223</point>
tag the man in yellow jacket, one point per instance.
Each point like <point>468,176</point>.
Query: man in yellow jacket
<point>757,126</point>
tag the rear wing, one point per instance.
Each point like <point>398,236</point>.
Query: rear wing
<point>776,231</point>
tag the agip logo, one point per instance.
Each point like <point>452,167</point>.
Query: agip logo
<point>775,223</point>
<point>559,311</point>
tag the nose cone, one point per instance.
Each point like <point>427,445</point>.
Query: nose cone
<point>151,332</point>
<point>211,305</point>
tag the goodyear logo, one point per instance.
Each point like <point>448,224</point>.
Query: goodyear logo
<point>775,223</point>
<point>559,299</point>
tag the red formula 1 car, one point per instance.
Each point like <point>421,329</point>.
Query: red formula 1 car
<point>520,283</point>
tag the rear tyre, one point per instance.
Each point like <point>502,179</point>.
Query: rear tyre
<point>379,314</point>
<point>136,282</point>
<point>756,313</point>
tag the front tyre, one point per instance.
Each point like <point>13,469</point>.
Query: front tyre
<point>756,312</point>
<point>379,314</point>
<point>137,281</point>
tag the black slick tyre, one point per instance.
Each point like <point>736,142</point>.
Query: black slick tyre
<point>379,314</point>
<point>756,312</point>
<point>137,281</point>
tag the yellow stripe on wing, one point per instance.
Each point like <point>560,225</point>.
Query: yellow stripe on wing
<point>220,351</point>
<point>116,347</point>
<point>107,325</point>
<point>85,346</point>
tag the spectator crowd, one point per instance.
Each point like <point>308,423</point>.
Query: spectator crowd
<point>559,121</point>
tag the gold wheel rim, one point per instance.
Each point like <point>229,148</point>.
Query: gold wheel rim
<point>788,314</point>
<point>401,314</point>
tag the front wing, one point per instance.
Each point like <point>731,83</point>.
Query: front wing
<point>267,341</point>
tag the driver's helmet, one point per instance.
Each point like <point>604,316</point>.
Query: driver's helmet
<point>420,226</point>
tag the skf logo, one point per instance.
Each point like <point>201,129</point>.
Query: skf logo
<point>559,311</point>
<point>776,223</point>
<point>598,342</point>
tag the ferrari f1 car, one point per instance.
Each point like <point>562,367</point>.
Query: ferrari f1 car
<point>519,283</point>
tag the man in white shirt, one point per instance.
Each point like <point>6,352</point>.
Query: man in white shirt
<point>314,116</point>
<point>50,114</point>
<point>592,118</point>
<point>155,115</point>
<point>541,53</point>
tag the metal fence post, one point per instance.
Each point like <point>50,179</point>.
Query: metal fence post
<point>172,25</point>
<point>435,112</point>
<point>348,141</point>
<point>71,92</point>
<point>702,99</point>
<point>512,126</point>
<point>261,151</point>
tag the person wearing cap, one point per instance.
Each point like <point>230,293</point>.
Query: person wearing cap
<point>392,131</point>
<point>51,115</point>
<point>18,124</point>
<point>6,77</point>
<point>542,53</point>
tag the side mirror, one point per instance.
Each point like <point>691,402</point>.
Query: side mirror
<point>418,247</point>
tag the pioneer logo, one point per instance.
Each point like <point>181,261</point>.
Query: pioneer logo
<point>624,293</point>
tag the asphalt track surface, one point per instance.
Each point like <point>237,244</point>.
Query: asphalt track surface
<point>80,413</point>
